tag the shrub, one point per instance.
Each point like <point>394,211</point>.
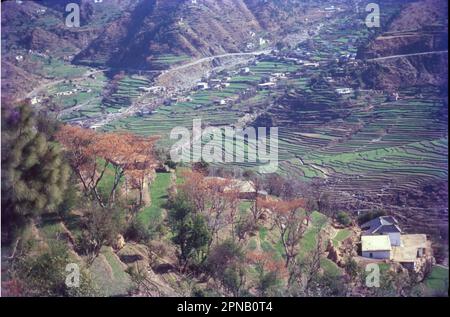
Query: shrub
<point>137,231</point>
<point>363,218</point>
<point>351,267</point>
<point>343,218</point>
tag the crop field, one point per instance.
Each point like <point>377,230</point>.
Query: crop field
<point>54,67</point>
<point>361,139</point>
<point>96,105</point>
<point>169,60</point>
<point>201,106</point>
<point>126,91</point>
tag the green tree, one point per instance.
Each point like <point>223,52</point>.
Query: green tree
<point>190,230</point>
<point>343,218</point>
<point>226,264</point>
<point>101,227</point>
<point>45,274</point>
<point>34,174</point>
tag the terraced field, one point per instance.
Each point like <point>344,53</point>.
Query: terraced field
<point>365,145</point>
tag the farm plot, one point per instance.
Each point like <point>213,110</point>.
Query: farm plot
<point>158,196</point>
<point>128,89</point>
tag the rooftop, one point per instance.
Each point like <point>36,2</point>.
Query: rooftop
<point>384,224</point>
<point>407,251</point>
<point>375,243</point>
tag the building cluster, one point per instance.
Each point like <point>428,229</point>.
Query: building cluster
<point>383,239</point>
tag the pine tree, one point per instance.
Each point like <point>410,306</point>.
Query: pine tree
<point>34,175</point>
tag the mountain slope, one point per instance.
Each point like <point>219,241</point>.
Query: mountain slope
<point>193,28</point>
<point>412,50</point>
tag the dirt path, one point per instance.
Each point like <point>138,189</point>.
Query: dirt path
<point>405,55</point>
<point>210,58</point>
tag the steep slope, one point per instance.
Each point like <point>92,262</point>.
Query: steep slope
<point>160,29</point>
<point>34,33</point>
<point>413,49</point>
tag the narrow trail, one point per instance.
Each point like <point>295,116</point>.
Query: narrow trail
<point>405,55</point>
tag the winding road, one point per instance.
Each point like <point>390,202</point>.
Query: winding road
<point>405,55</point>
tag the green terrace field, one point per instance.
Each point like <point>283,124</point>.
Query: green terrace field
<point>125,92</point>
<point>202,106</point>
<point>158,196</point>
<point>168,60</point>
<point>86,94</point>
<point>358,140</point>
<point>54,67</point>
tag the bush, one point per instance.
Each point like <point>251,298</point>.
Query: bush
<point>268,282</point>
<point>351,267</point>
<point>190,232</point>
<point>244,226</point>
<point>343,218</point>
<point>225,263</point>
<point>137,231</point>
<point>370,215</point>
<point>45,274</point>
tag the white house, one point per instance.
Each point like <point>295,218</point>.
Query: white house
<point>376,247</point>
<point>385,225</point>
<point>35,100</point>
<point>202,85</point>
<point>383,239</point>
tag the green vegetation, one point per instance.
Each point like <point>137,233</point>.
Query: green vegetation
<point>343,218</point>
<point>34,175</point>
<point>158,196</point>
<point>437,281</point>
<point>341,235</point>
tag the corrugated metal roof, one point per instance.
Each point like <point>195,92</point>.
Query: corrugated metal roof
<point>383,224</point>
<point>375,243</point>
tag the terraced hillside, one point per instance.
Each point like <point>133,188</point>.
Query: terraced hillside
<point>372,150</point>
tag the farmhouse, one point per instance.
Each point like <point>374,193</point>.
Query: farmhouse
<point>35,100</point>
<point>311,64</point>
<point>246,189</point>
<point>383,239</point>
<point>386,225</point>
<point>279,75</point>
<point>221,102</point>
<point>245,70</point>
<point>202,85</point>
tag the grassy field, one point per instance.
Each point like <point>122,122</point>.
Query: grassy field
<point>158,195</point>
<point>437,281</point>
<point>341,235</point>
<point>109,274</point>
